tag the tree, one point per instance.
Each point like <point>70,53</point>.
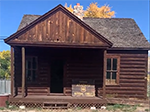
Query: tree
<point>69,8</point>
<point>96,12</point>
<point>101,12</point>
<point>5,64</point>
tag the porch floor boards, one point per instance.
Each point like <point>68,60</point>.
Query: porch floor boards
<point>44,98</point>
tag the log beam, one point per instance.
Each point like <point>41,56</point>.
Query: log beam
<point>104,73</point>
<point>23,72</point>
<point>12,72</point>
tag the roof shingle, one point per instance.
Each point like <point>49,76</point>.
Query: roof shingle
<point>122,32</point>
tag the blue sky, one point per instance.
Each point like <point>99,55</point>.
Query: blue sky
<point>12,11</point>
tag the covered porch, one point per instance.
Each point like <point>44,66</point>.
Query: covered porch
<point>54,71</point>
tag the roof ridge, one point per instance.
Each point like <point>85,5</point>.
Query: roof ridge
<point>31,15</point>
<point>107,18</point>
<point>83,17</point>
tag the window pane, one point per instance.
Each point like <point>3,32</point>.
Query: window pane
<point>114,64</point>
<point>34,63</point>
<point>114,75</point>
<point>108,75</point>
<point>29,77</point>
<point>29,63</point>
<point>31,69</point>
<point>108,64</point>
<point>26,64</point>
<point>34,75</point>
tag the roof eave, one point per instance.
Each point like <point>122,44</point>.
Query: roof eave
<point>62,45</point>
<point>129,48</point>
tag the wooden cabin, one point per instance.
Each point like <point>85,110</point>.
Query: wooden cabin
<point>57,57</point>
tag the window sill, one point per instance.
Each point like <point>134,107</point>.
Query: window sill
<point>107,85</point>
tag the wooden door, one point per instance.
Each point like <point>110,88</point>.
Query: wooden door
<point>57,70</point>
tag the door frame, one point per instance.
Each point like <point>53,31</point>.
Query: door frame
<point>64,77</point>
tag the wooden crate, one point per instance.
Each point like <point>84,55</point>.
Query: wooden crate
<point>83,88</point>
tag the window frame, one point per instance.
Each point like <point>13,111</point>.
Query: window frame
<point>36,80</point>
<point>111,56</point>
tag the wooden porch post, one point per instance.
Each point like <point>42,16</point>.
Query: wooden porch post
<point>23,72</point>
<point>12,72</point>
<point>104,73</point>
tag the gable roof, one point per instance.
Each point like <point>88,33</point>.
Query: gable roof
<point>32,23</point>
<point>122,32</point>
<point>26,20</point>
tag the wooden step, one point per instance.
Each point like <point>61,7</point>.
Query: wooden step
<point>56,105</point>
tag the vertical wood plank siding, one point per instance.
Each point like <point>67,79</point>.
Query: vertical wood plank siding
<point>59,28</point>
<point>133,70</point>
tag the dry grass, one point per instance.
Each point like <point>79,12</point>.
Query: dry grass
<point>109,108</point>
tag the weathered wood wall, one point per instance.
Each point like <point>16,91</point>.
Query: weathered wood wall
<point>60,28</point>
<point>87,64</point>
<point>133,70</point>
<point>39,87</point>
<point>79,64</point>
<point>17,69</point>
<point>84,65</point>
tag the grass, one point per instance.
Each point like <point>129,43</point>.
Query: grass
<point>2,108</point>
<point>147,110</point>
<point>109,108</point>
<point>122,108</point>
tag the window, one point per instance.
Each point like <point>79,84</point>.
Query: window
<point>31,69</point>
<point>112,70</point>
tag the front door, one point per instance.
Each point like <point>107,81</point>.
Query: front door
<point>57,70</point>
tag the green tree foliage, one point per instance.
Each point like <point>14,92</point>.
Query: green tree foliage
<point>5,64</point>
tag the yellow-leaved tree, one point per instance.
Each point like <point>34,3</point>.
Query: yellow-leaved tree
<point>96,12</point>
<point>69,8</point>
<point>101,12</point>
<point>4,64</point>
